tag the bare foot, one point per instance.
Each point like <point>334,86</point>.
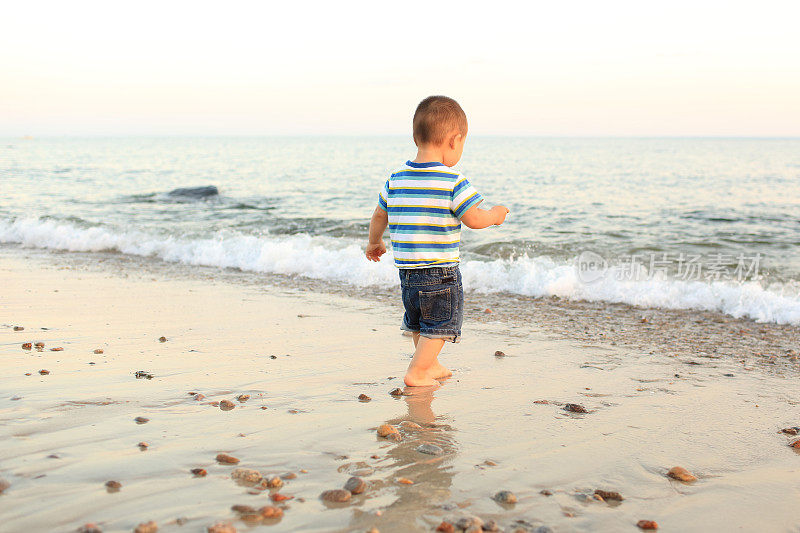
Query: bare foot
<point>414,379</point>
<point>439,371</point>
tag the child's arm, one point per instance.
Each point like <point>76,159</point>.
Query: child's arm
<point>477,218</point>
<point>377,225</point>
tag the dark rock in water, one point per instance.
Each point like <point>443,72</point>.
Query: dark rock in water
<point>194,192</point>
<point>546,492</point>
<point>355,485</point>
<point>575,408</point>
<point>336,495</point>
<point>430,449</point>
<point>199,472</point>
<point>505,496</point>
<point>609,495</point>
<point>397,392</point>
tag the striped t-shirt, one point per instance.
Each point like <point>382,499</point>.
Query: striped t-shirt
<point>425,203</point>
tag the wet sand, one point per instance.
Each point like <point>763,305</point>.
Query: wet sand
<point>67,433</point>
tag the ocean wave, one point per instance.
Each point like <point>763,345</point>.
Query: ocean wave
<point>342,260</point>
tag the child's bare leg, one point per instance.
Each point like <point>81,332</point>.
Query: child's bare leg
<point>419,373</point>
<point>438,370</point>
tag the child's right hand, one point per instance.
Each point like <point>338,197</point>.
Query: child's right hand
<point>500,212</point>
<point>375,251</point>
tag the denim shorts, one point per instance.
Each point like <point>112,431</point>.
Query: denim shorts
<point>434,302</point>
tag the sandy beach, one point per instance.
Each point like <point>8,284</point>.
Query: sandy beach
<point>304,356</point>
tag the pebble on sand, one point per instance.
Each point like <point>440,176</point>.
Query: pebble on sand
<point>226,405</point>
<point>44,372</point>
<point>546,492</point>
<point>498,353</point>
<point>143,445</point>
<point>243,398</point>
<point>505,496</point>
<point>404,481</point>
<point>199,472</point>
<point>791,430</point>
<point>141,420</point>
<point>796,444</point>
<point>274,482</point>
<point>221,527</point>
<point>224,458</point>
<point>647,524</point>
<point>242,509</point>
<point>162,339</point>
<point>609,495</point>
<point>278,497</point>
<point>355,485</point>
<point>430,449</point>
<point>363,398</point>
<point>397,392</point>
<point>98,351</point>
<point>385,430</point>
<point>4,485</point>
<point>57,349</point>
<point>38,344</point>
<point>445,527</point>
<point>681,474</point>
<point>336,495</point>
<point>491,525</point>
<point>289,475</point>
<point>146,527</point>
<point>91,527</point>
<point>246,475</point>
<point>270,511</point>
<point>27,346</point>
<point>469,522</point>
<point>575,408</point>
<point>19,328</point>
<point>113,486</point>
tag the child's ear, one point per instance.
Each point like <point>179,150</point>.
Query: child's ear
<point>455,139</point>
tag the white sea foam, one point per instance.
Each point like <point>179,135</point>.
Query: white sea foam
<point>341,260</point>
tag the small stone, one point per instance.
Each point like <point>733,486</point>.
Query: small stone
<point>4,485</point>
<point>408,424</point>
<point>546,492</point>
<point>199,472</point>
<point>543,529</point>
<point>430,449</point>
<point>242,509</point>
<point>397,392</point>
<point>113,486</point>
<point>681,474</point>
<point>146,527</point>
<point>491,525</point>
<point>445,527</point>
<point>289,475</point>
<point>19,328</point>
<point>226,405</point>
<point>303,471</point>
<point>791,430</point>
<point>39,345</point>
<point>395,437</point>
<point>363,398</point>
<point>141,420</point>
<point>246,475</point>
<point>647,524</point>
<point>274,482</point>
<point>355,485</point>
<point>498,353</point>
<point>91,527</point>
<point>575,408</point>
<point>505,496</point>
<point>162,339</point>
<point>224,458</point>
<point>609,495</point>
<point>336,495</point>
<point>57,349</point>
<point>198,397</point>
<point>26,346</point>
<point>278,497</point>
<point>795,445</point>
<point>143,445</point>
<point>270,511</point>
<point>98,351</point>
<point>220,527</point>
<point>404,481</point>
<point>44,372</point>
<point>142,374</point>
<point>468,522</point>
<point>385,430</point>
<point>273,356</point>
<point>487,311</point>
<point>243,398</point>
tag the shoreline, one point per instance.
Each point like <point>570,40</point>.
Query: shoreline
<point>647,411</point>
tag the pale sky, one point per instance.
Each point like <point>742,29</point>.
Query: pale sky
<point>517,68</point>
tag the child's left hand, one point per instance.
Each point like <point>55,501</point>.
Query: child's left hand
<point>375,251</point>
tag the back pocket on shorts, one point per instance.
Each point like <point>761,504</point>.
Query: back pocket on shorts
<point>435,305</point>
